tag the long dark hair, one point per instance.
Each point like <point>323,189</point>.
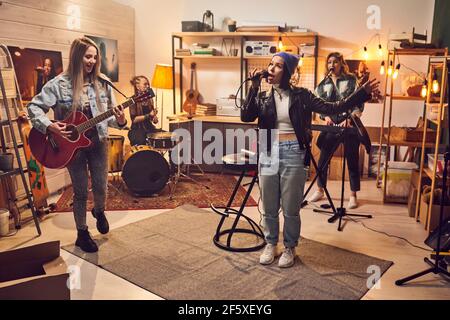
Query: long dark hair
<point>285,82</point>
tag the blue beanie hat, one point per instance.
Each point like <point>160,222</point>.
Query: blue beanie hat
<point>290,60</point>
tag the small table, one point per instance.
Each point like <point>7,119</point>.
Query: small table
<point>240,163</point>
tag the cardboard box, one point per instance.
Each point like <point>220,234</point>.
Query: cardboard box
<point>34,273</point>
<point>336,162</point>
<point>412,198</point>
<point>435,210</point>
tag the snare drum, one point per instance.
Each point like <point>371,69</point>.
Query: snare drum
<point>145,171</point>
<point>115,153</point>
<point>162,140</point>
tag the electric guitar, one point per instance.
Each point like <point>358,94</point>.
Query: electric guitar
<point>192,96</point>
<point>55,151</point>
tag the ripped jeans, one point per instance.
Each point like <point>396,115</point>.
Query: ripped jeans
<point>282,180</point>
<point>96,159</point>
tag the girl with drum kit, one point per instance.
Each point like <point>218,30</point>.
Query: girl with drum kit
<point>81,88</point>
<point>143,114</point>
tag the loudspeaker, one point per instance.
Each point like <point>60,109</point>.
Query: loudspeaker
<point>432,239</point>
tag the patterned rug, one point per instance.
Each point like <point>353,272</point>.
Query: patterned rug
<point>186,192</point>
<point>173,255</point>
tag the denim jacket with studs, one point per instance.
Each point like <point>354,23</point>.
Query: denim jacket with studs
<point>57,94</point>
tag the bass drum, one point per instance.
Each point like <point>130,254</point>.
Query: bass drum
<point>145,171</point>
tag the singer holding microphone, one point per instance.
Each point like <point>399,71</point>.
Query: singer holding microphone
<point>338,84</point>
<point>82,88</point>
<point>285,112</point>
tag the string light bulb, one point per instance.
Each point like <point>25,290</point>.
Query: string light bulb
<point>366,54</point>
<point>395,74</point>
<point>435,85</point>
<point>380,51</point>
<point>300,61</point>
<point>382,68</point>
<point>390,69</point>
<point>280,44</point>
<point>424,91</point>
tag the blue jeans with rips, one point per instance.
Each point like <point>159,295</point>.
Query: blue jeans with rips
<point>282,180</point>
<point>94,158</point>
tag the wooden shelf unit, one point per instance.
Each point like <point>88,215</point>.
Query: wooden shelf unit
<point>386,139</point>
<point>436,63</point>
<point>296,37</point>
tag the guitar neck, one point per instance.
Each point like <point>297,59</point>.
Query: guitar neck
<point>101,117</point>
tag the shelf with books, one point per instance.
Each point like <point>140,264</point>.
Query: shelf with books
<point>188,41</point>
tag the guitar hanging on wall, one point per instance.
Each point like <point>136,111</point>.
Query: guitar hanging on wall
<point>55,151</point>
<point>192,95</point>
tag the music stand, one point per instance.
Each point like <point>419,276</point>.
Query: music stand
<point>341,212</point>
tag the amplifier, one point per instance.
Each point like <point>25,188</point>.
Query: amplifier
<point>260,48</point>
<point>227,107</point>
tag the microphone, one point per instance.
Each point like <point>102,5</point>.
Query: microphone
<point>330,72</point>
<point>260,75</point>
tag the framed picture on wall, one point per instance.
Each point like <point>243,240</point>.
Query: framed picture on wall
<point>110,57</point>
<point>365,70</point>
<point>34,68</point>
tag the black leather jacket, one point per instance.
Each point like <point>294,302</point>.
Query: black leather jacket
<point>302,104</point>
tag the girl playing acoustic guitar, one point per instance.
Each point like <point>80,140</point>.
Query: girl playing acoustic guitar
<point>81,88</point>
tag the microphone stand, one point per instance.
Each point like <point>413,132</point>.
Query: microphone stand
<point>341,212</point>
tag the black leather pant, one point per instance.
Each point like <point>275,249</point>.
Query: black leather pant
<point>326,143</point>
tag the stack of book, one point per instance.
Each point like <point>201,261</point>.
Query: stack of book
<point>204,51</point>
<point>206,109</point>
<point>183,52</point>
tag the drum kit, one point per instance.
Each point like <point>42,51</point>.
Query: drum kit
<point>144,169</point>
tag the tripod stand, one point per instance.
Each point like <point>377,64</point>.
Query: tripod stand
<point>341,212</point>
<point>436,268</point>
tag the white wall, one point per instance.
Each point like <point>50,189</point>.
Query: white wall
<point>342,24</point>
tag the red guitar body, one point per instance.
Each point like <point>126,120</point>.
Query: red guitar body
<point>54,151</point>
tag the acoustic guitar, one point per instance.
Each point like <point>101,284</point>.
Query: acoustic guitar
<point>55,151</point>
<point>192,96</point>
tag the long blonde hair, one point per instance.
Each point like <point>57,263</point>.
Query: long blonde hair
<point>75,70</point>
<point>344,66</point>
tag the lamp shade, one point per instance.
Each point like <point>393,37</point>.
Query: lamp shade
<point>162,77</point>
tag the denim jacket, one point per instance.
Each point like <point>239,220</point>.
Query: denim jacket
<point>345,86</point>
<point>57,94</point>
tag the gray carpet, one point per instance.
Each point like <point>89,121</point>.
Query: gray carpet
<point>173,256</point>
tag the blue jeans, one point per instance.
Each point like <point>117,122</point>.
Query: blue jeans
<point>96,159</point>
<point>282,180</point>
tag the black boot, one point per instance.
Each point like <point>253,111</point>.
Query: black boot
<point>85,242</point>
<point>102,222</point>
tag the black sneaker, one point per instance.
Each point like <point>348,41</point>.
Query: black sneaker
<point>102,222</point>
<point>85,242</point>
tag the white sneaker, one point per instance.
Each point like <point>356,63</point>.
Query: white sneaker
<point>287,258</point>
<point>268,255</point>
<point>352,203</point>
<point>316,196</point>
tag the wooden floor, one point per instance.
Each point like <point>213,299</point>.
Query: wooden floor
<point>97,283</point>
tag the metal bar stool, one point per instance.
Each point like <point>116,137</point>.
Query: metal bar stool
<point>238,162</point>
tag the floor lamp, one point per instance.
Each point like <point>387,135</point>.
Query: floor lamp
<point>162,79</point>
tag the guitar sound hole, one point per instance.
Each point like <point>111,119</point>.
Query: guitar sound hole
<point>74,135</point>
